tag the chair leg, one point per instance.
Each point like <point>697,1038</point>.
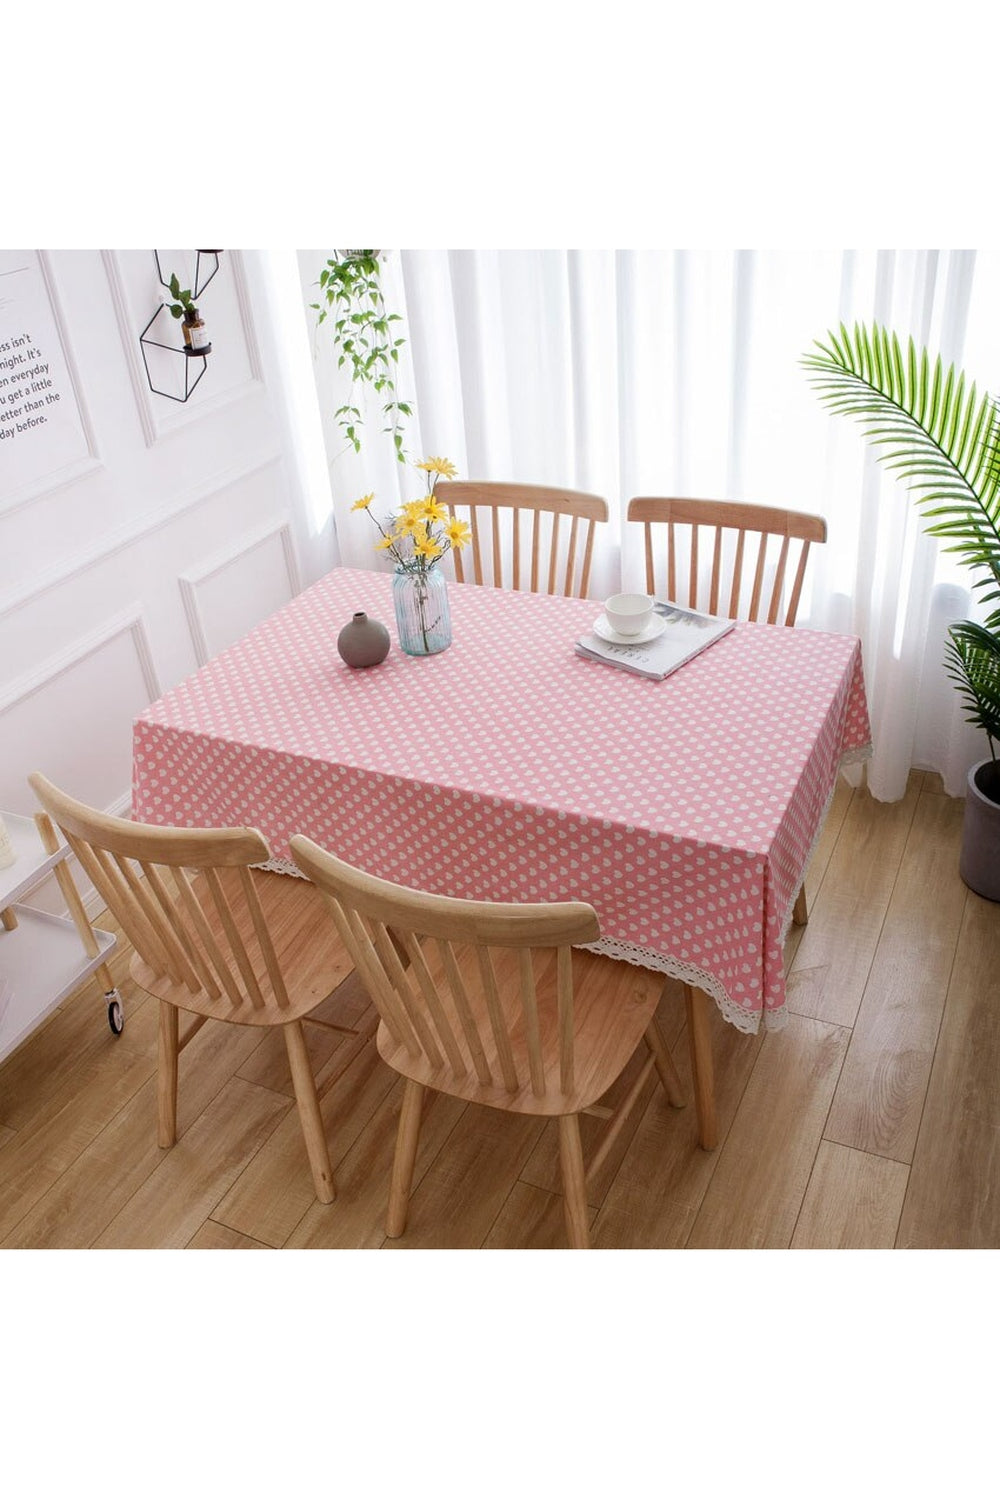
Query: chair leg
<point>166,1075</point>
<point>800,911</point>
<point>665,1066</point>
<point>574,1182</point>
<point>309,1114</point>
<point>407,1136</point>
<point>699,1018</point>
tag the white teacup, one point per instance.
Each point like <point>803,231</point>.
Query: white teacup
<point>628,614</point>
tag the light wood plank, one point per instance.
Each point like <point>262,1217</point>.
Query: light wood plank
<point>757,1189</point>
<point>664,1176</point>
<point>271,1196</point>
<point>530,1219</point>
<point>853,1201</point>
<point>834,956</point>
<point>357,1219</point>
<point>952,1201</point>
<point>457,1200</point>
<point>122,1154</point>
<point>38,1076</point>
<point>173,1203</point>
<point>881,1092</point>
<point>86,1197</point>
<point>34,1163</point>
<point>213,1236</point>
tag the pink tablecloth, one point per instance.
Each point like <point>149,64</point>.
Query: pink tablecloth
<point>508,768</point>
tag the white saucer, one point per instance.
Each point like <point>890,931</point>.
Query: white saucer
<point>656,626</point>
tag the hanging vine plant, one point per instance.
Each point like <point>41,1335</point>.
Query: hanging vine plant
<point>351,286</point>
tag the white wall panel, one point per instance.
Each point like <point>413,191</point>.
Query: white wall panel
<point>72,716</point>
<point>227,596</point>
<point>44,574</point>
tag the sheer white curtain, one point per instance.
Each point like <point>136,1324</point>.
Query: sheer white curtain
<point>676,372</point>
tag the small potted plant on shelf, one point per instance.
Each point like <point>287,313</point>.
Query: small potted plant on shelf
<point>196,339</point>
<point>945,444</point>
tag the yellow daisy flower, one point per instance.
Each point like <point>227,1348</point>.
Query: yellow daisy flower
<point>427,547</point>
<point>443,467</point>
<point>384,544</point>
<point>433,510</point>
<point>458,532</point>
<point>409,523</point>
<point>364,502</point>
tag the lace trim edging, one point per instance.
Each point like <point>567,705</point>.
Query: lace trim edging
<point>282,867</point>
<point>853,757</point>
<point>744,1020</point>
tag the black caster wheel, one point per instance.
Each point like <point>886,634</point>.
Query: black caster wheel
<point>116,1017</point>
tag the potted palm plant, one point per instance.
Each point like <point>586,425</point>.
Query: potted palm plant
<point>943,440</point>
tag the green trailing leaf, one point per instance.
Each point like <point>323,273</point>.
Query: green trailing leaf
<point>942,440</point>
<point>351,285</point>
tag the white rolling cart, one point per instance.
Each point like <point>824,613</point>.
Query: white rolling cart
<point>43,958</point>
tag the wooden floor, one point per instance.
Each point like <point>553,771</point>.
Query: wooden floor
<point>871,1121</point>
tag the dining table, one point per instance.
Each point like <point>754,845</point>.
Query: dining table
<point>509,768</point>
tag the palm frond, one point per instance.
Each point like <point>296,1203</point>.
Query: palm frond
<point>939,437</point>
<point>972,660</point>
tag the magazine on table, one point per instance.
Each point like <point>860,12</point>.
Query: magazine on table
<point>674,637</point>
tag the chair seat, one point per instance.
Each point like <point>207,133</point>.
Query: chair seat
<point>294,913</point>
<point>613,1004</point>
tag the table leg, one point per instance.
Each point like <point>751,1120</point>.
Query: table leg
<point>699,1019</point>
<point>800,911</point>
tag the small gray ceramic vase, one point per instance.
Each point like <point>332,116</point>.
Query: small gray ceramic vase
<point>363,642</point>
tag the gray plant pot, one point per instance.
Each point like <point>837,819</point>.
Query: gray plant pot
<point>979,863</point>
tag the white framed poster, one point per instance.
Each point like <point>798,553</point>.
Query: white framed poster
<point>44,435</point>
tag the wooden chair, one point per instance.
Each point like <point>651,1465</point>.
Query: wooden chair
<point>778,538</point>
<point>558,563</point>
<point>497,1010</point>
<point>780,535</point>
<point>212,937</point>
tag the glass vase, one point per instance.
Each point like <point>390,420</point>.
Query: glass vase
<point>423,620</point>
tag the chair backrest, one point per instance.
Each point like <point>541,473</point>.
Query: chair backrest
<point>502,1019</point>
<point>673,532</point>
<point>508,520</point>
<point>187,932</point>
